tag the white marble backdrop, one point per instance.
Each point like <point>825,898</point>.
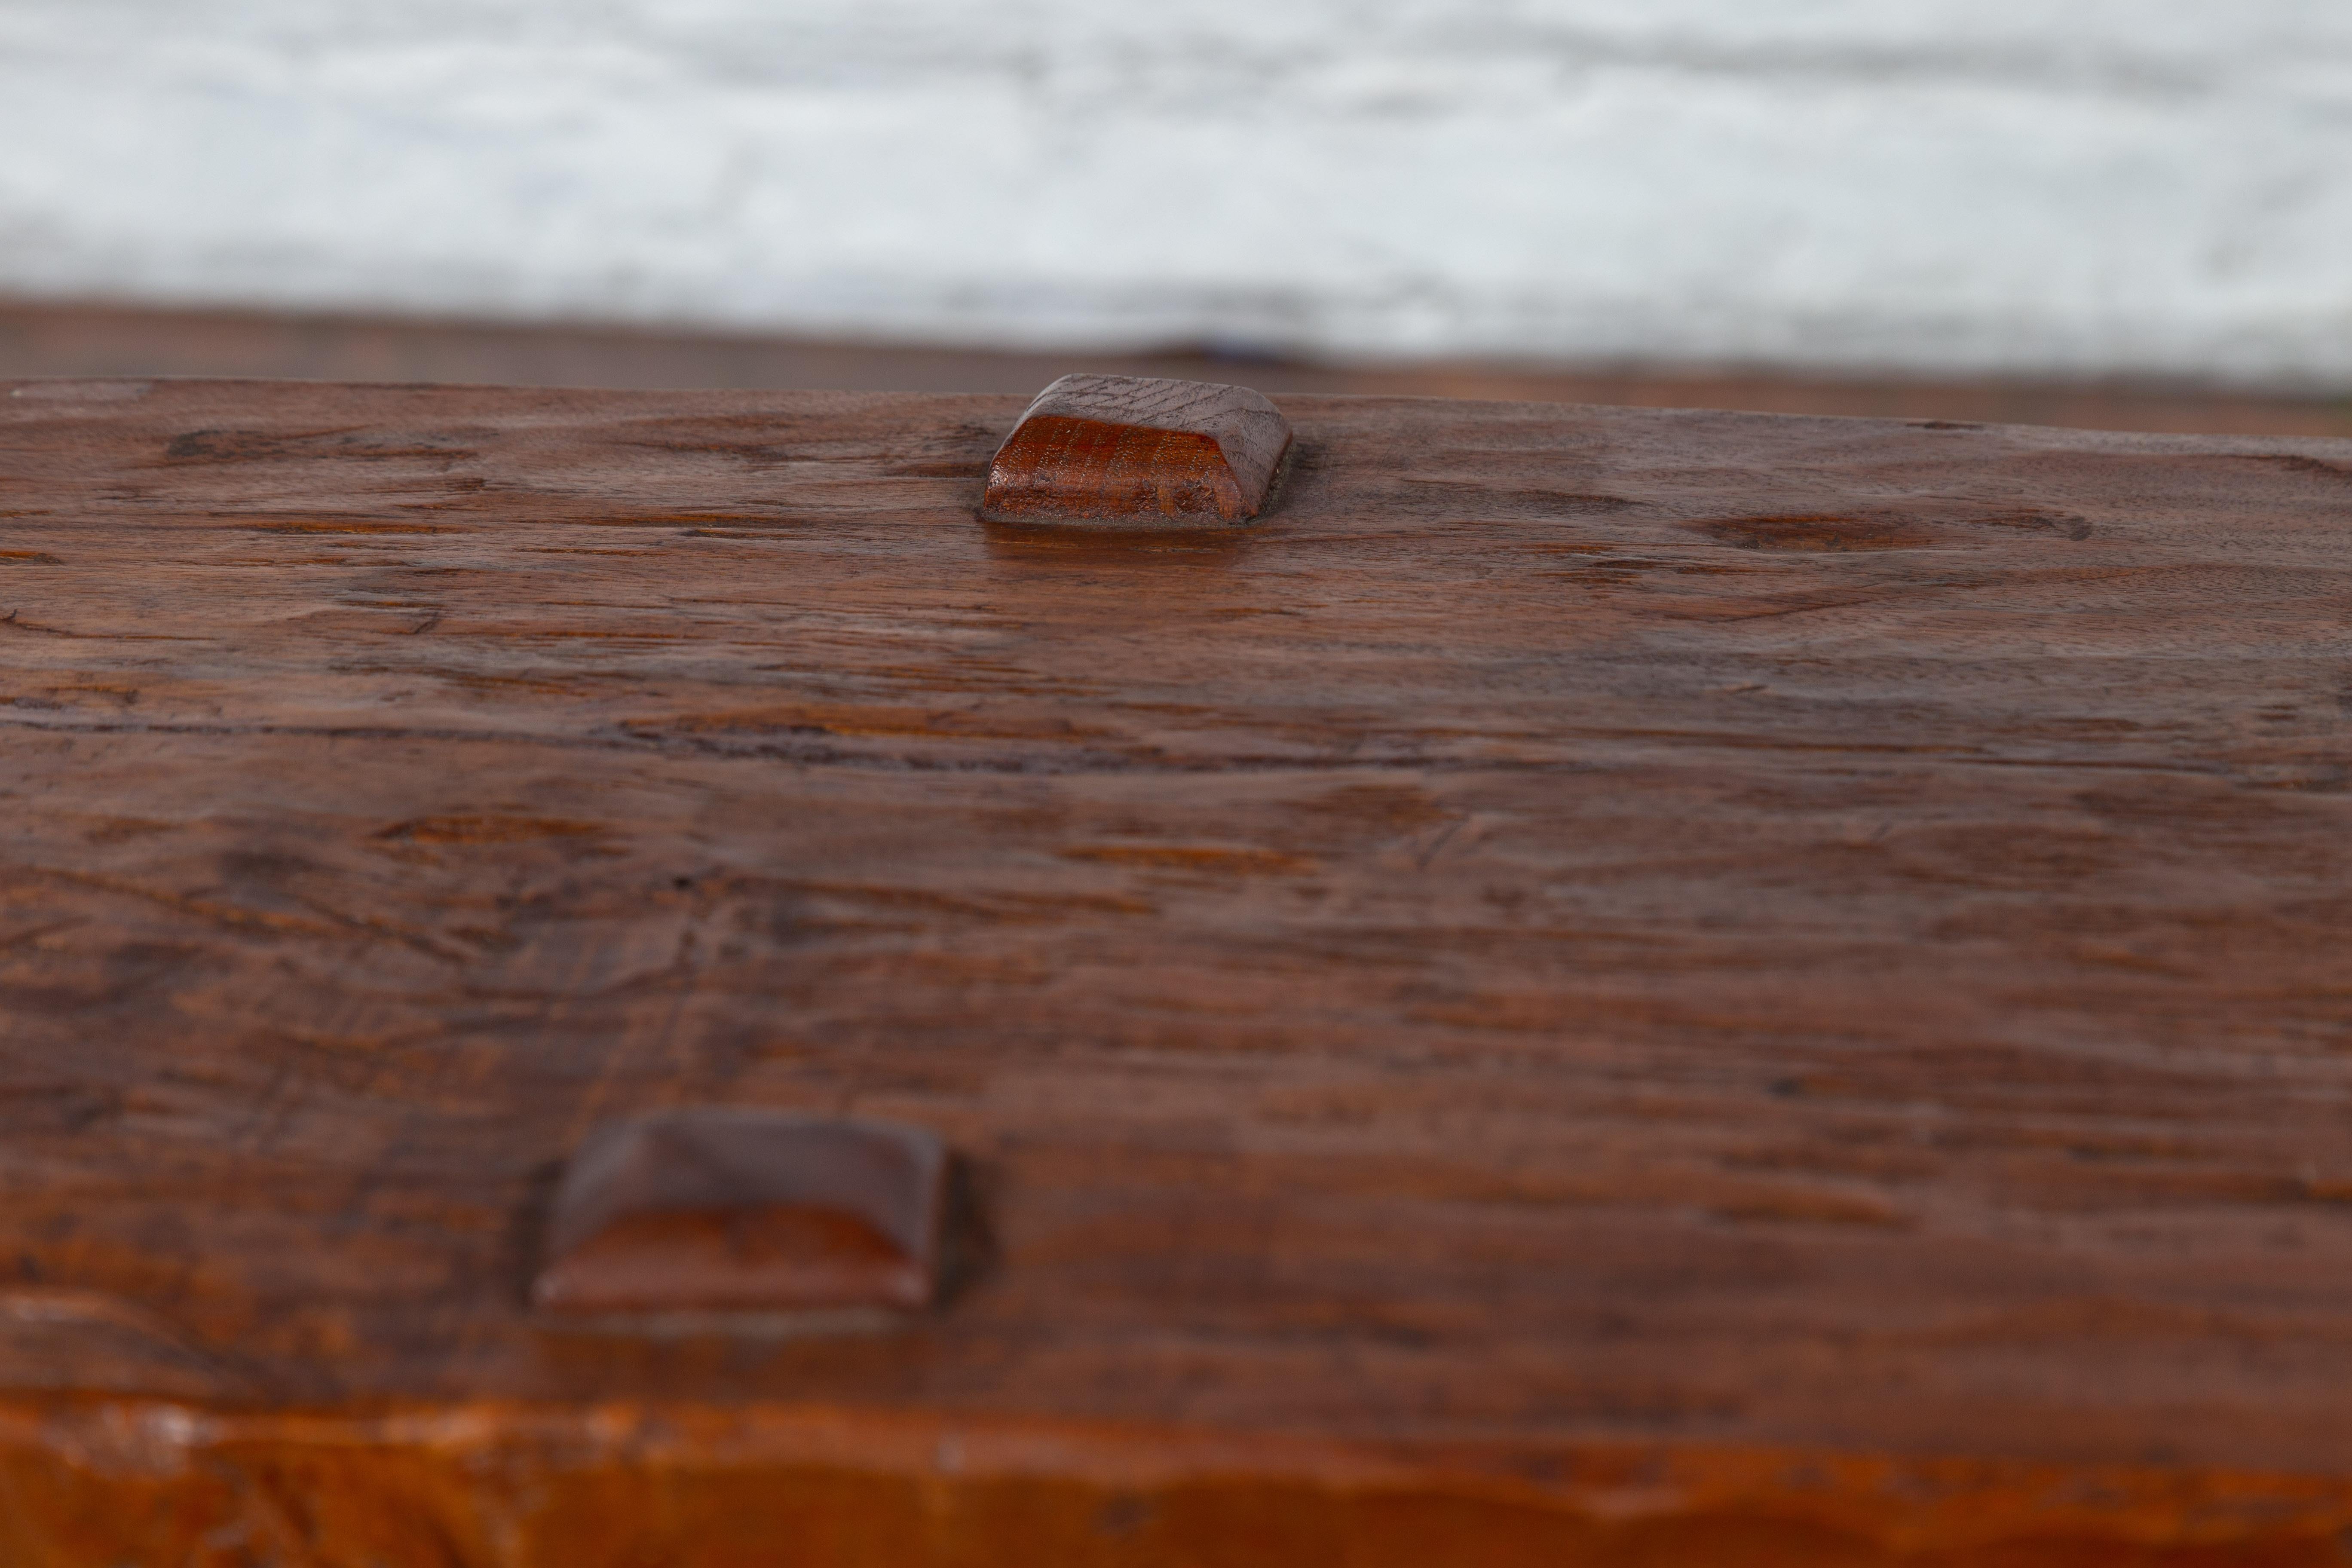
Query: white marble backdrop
<point>2021,186</point>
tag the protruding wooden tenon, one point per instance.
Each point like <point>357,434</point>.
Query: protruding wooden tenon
<point>1126,450</point>
<point>715,1209</point>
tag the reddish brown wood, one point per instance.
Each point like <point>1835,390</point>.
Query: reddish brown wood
<point>713,1208</point>
<point>1134,449</point>
<point>1609,985</point>
<point>47,338</point>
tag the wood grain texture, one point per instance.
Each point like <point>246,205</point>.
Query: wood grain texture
<point>1108,449</point>
<point>1611,975</point>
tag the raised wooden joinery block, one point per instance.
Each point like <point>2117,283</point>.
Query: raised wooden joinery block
<point>1134,449</point>
<point>716,1209</point>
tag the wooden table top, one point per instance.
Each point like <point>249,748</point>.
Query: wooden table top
<point>1600,979</point>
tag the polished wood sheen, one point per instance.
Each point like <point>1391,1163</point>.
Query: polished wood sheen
<point>1600,987</point>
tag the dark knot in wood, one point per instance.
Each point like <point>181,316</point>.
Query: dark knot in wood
<point>1129,450</point>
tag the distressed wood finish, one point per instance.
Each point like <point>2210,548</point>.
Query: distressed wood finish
<point>1598,981</point>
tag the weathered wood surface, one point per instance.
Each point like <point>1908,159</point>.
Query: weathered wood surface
<point>1608,981</point>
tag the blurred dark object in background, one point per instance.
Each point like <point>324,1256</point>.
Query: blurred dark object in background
<point>93,339</point>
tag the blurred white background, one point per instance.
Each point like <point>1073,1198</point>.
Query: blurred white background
<point>2089,187</point>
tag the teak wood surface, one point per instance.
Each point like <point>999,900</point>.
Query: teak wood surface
<point>1598,986</point>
